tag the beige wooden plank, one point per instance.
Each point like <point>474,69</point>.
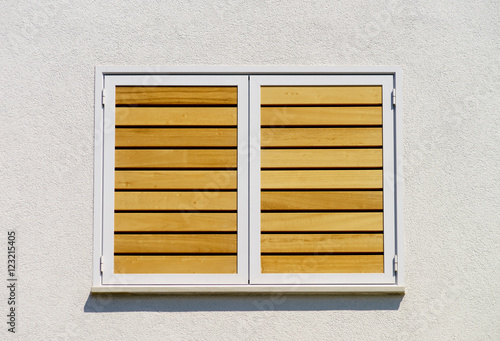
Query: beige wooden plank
<point>294,243</point>
<point>322,200</point>
<point>185,116</point>
<point>321,137</point>
<point>176,95</point>
<point>320,158</point>
<point>323,264</point>
<point>175,158</point>
<point>175,222</point>
<point>304,116</point>
<point>321,95</point>
<point>175,264</point>
<point>322,179</point>
<point>184,201</point>
<point>175,137</point>
<point>175,243</point>
<point>326,221</point>
<point>200,180</point>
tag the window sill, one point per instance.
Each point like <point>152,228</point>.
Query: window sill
<point>252,289</point>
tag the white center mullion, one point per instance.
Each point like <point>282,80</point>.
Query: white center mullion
<point>254,190</point>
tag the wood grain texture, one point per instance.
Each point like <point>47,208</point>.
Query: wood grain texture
<point>322,200</point>
<point>320,158</point>
<point>183,201</point>
<point>323,264</point>
<point>175,264</point>
<point>185,116</point>
<point>175,222</point>
<point>304,116</point>
<point>175,158</point>
<point>321,137</point>
<point>200,180</point>
<point>176,95</point>
<point>175,243</point>
<point>322,179</point>
<point>321,95</point>
<point>317,243</point>
<point>323,222</point>
<point>175,137</point>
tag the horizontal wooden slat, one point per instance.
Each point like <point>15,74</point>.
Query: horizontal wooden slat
<point>213,180</point>
<point>175,243</point>
<point>322,200</point>
<point>322,179</point>
<point>175,137</point>
<point>320,158</point>
<point>355,221</point>
<point>185,116</point>
<point>317,243</point>
<point>175,264</point>
<point>321,137</point>
<point>175,222</point>
<point>184,201</point>
<point>323,264</point>
<point>175,158</point>
<point>304,116</point>
<point>321,95</point>
<point>176,95</point>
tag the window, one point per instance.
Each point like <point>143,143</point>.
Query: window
<point>247,180</point>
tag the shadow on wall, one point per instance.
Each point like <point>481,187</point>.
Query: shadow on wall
<point>280,302</point>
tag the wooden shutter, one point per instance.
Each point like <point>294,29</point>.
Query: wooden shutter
<point>258,181</point>
<point>175,180</point>
<point>321,179</point>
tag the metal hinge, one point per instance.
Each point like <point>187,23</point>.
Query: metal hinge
<point>393,97</point>
<point>103,97</point>
<point>102,266</point>
<point>396,263</point>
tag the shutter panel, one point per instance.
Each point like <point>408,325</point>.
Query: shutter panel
<point>175,180</point>
<point>321,179</point>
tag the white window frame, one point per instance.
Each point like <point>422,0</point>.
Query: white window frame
<point>107,77</point>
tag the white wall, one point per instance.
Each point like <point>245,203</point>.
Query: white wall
<point>450,54</point>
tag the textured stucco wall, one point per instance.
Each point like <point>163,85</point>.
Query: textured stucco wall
<point>450,55</point>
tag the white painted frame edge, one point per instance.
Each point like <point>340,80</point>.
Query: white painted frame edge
<point>98,177</point>
<point>252,289</point>
<point>247,70</point>
<point>399,190</point>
